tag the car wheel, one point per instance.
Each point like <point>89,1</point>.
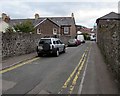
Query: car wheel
<point>57,53</point>
<point>64,50</point>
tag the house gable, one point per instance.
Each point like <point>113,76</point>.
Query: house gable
<point>47,27</point>
<point>45,20</point>
<point>109,16</point>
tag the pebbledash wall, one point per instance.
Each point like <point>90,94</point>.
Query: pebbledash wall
<point>14,44</point>
<point>108,39</point>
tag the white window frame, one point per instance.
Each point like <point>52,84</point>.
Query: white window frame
<point>38,31</point>
<point>54,31</point>
<point>66,30</point>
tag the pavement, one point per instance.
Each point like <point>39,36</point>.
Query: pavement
<point>98,79</point>
<point>17,59</point>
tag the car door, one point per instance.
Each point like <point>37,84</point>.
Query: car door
<point>61,45</point>
<point>58,45</point>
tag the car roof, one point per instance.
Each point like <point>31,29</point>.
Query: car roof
<point>51,38</point>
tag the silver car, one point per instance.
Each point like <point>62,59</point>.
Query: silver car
<point>50,46</point>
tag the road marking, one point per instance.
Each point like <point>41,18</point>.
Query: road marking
<point>72,74</point>
<point>83,77</point>
<point>76,76</point>
<point>19,65</point>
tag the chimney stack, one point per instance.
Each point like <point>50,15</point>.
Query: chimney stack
<point>72,15</point>
<point>36,16</point>
<point>5,18</point>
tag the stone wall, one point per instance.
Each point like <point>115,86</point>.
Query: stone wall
<point>108,39</point>
<point>14,44</point>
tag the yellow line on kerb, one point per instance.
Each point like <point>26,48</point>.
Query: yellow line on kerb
<point>68,80</point>
<point>78,72</point>
<point>76,77</point>
<point>18,65</point>
<point>72,74</point>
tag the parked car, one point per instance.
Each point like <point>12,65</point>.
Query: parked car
<point>78,42</point>
<point>50,46</point>
<point>73,42</point>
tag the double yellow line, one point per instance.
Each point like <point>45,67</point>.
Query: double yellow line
<point>77,70</point>
<point>18,65</point>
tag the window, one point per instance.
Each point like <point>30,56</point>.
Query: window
<point>60,42</point>
<point>38,31</point>
<point>57,42</point>
<point>54,42</point>
<point>66,30</point>
<point>54,31</point>
<point>42,41</point>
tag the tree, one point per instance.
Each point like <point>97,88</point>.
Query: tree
<point>25,26</point>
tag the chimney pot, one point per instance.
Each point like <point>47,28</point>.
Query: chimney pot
<point>5,18</point>
<point>36,16</point>
<point>72,15</point>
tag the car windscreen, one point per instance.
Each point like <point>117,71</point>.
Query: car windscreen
<point>42,41</point>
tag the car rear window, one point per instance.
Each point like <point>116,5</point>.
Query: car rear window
<point>42,41</point>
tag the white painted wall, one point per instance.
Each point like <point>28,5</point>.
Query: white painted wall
<point>3,26</point>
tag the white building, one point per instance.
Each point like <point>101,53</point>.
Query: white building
<point>3,26</point>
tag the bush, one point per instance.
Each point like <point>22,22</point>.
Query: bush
<point>25,26</point>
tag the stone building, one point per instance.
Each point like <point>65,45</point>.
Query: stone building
<point>108,39</point>
<point>4,22</point>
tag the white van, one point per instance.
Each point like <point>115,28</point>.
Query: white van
<point>81,38</point>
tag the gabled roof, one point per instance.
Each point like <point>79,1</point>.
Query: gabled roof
<point>44,21</point>
<point>63,20</point>
<point>57,20</point>
<point>17,21</point>
<point>111,15</point>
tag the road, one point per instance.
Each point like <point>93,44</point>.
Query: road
<point>59,75</point>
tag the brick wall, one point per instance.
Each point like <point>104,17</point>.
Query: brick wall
<point>108,39</point>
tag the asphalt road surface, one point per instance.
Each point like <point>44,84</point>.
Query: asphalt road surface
<point>58,75</point>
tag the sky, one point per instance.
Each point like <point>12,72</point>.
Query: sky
<point>85,11</point>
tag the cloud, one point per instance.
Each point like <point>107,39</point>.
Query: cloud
<point>85,12</point>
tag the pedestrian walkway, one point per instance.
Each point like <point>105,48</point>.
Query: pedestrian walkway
<point>17,59</point>
<point>97,79</point>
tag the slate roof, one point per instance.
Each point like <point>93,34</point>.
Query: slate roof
<point>57,20</point>
<point>111,15</point>
<point>63,20</point>
<point>17,21</point>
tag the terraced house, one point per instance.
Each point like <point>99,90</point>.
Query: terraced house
<point>61,26</point>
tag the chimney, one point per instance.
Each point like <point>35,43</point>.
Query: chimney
<point>5,18</point>
<point>72,15</point>
<point>36,16</point>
